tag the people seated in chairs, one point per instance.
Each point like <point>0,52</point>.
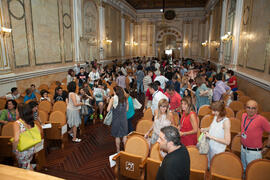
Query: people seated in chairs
<point>44,95</point>
<point>188,126</point>
<point>13,95</point>
<point>87,109</point>
<point>34,89</point>
<point>82,76</point>
<point>9,113</point>
<point>59,95</point>
<point>29,95</point>
<point>119,106</point>
<point>34,106</point>
<point>99,95</point>
<point>219,131</point>
<point>73,114</point>
<point>71,76</point>
<point>25,122</point>
<point>93,76</point>
<point>176,164</point>
<point>162,117</point>
<point>232,82</point>
<point>252,127</point>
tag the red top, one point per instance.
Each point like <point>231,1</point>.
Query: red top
<point>175,100</point>
<point>154,77</point>
<point>254,131</point>
<point>185,126</point>
<point>233,78</point>
<point>149,95</point>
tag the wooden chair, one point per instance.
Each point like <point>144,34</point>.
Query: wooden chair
<point>266,115</point>
<point>229,112</point>
<point>240,93</point>
<point>60,106</point>
<point>45,106</point>
<point>198,164</point>
<point>153,162</point>
<point>148,114</point>
<point>236,145</point>
<point>142,127</point>
<point>206,121</point>
<point>43,116</point>
<point>8,129</point>
<point>244,99</point>
<point>38,96</point>
<point>267,154</point>
<point>64,81</point>
<point>131,162</point>
<point>176,118</point>
<point>19,100</point>
<point>6,145</point>
<point>258,169</point>
<point>240,113</point>
<point>226,165</point>
<point>204,110</point>
<point>235,126</point>
<point>43,86</point>
<point>236,106</point>
<point>2,103</point>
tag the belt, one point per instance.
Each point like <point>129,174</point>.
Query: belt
<point>252,149</point>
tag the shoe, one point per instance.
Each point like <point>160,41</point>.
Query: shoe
<point>92,117</point>
<point>100,116</point>
<point>77,140</point>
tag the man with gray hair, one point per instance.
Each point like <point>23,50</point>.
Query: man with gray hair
<point>176,164</point>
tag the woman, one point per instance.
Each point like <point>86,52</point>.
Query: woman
<point>162,117</point>
<point>29,95</point>
<point>119,106</point>
<point>71,76</point>
<point>219,131</point>
<point>188,124</point>
<point>44,95</point>
<point>9,113</point>
<point>73,111</point>
<point>130,112</point>
<point>26,122</point>
<point>232,81</point>
<point>86,99</point>
<point>201,93</point>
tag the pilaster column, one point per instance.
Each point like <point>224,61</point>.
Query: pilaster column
<point>131,39</point>
<point>122,36</point>
<point>209,39</point>
<point>222,30</point>
<point>101,31</point>
<point>77,28</point>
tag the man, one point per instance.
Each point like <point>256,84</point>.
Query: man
<point>147,79</point>
<point>76,69</point>
<point>14,94</point>
<point>252,127</point>
<point>82,76</point>
<point>176,83</point>
<point>162,79</point>
<point>93,75</point>
<point>174,98</point>
<point>176,164</point>
<point>157,96</point>
<point>221,89</point>
<point>148,96</point>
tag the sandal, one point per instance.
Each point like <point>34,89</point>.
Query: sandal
<point>77,140</point>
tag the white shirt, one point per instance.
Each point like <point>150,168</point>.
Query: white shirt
<point>124,71</point>
<point>157,96</point>
<point>93,76</point>
<point>162,80</point>
<point>11,96</point>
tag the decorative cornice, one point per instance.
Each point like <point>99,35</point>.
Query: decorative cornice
<point>123,6</point>
<point>211,4</point>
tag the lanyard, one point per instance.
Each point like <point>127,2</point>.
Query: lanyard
<point>244,125</point>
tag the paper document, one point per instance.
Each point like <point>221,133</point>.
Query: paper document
<point>112,162</point>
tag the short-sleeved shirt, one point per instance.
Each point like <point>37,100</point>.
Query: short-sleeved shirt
<point>146,81</point>
<point>254,132</point>
<point>6,115</point>
<point>157,96</point>
<point>11,96</point>
<point>99,93</point>
<point>26,98</point>
<point>219,90</point>
<point>140,75</point>
<point>82,77</point>
<point>233,78</point>
<point>149,95</point>
<point>175,100</point>
<point>93,76</point>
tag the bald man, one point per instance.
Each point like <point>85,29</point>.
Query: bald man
<point>252,127</point>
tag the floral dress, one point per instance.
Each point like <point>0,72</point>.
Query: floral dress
<point>24,158</point>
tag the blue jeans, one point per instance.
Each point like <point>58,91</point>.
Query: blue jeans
<point>86,117</point>
<point>139,86</point>
<point>130,127</point>
<point>247,156</point>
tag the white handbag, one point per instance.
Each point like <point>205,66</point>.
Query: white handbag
<point>108,119</point>
<point>136,103</point>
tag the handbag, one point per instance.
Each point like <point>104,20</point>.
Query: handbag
<point>136,103</point>
<point>84,110</point>
<point>108,118</point>
<point>29,138</point>
<point>203,144</point>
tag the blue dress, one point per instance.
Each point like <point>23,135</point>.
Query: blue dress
<point>119,121</point>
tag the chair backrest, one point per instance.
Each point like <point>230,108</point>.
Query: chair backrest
<point>60,106</point>
<point>8,129</point>
<point>197,161</point>
<point>152,166</point>
<point>38,96</point>
<point>229,112</point>
<point>236,105</point>
<point>2,103</point>
<point>258,169</point>
<point>137,145</point>
<point>43,86</point>
<point>143,126</point>
<point>45,106</point>
<point>240,93</point>
<point>43,116</point>
<point>58,117</point>
<point>204,110</point>
<point>235,125</point>
<point>176,118</point>
<point>206,121</point>
<point>244,99</point>
<point>240,113</point>
<point>226,165</point>
<point>155,152</point>
<point>266,115</point>
<point>236,145</point>
<point>148,114</point>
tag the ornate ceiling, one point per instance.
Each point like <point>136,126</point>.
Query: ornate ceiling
<point>158,4</point>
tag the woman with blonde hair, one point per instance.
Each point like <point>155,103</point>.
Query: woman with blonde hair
<point>189,123</point>
<point>162,117</point>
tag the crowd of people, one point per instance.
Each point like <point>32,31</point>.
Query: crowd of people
<point>170,87</point>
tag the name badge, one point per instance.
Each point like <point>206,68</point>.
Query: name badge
<point>244,136</point>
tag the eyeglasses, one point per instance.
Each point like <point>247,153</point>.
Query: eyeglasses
<point>251,108</point>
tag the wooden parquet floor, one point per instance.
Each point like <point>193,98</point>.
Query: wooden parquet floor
<point>88,159</point>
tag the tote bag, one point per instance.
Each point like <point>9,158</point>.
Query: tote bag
<point>29,138</point>
<point>203,144</point>
<point>136,104</point>
<point>108,119</point>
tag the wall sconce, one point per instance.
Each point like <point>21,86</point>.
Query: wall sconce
<point>127,43</point>
<point>107,41</point>
<point>135,43</point>
<point>205,43</point>
<point>5,31</point>
<point>228,36</point>
<point>215,43</point>
<point>186,44</point>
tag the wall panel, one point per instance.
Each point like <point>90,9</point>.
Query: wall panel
<point>67,24</point>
